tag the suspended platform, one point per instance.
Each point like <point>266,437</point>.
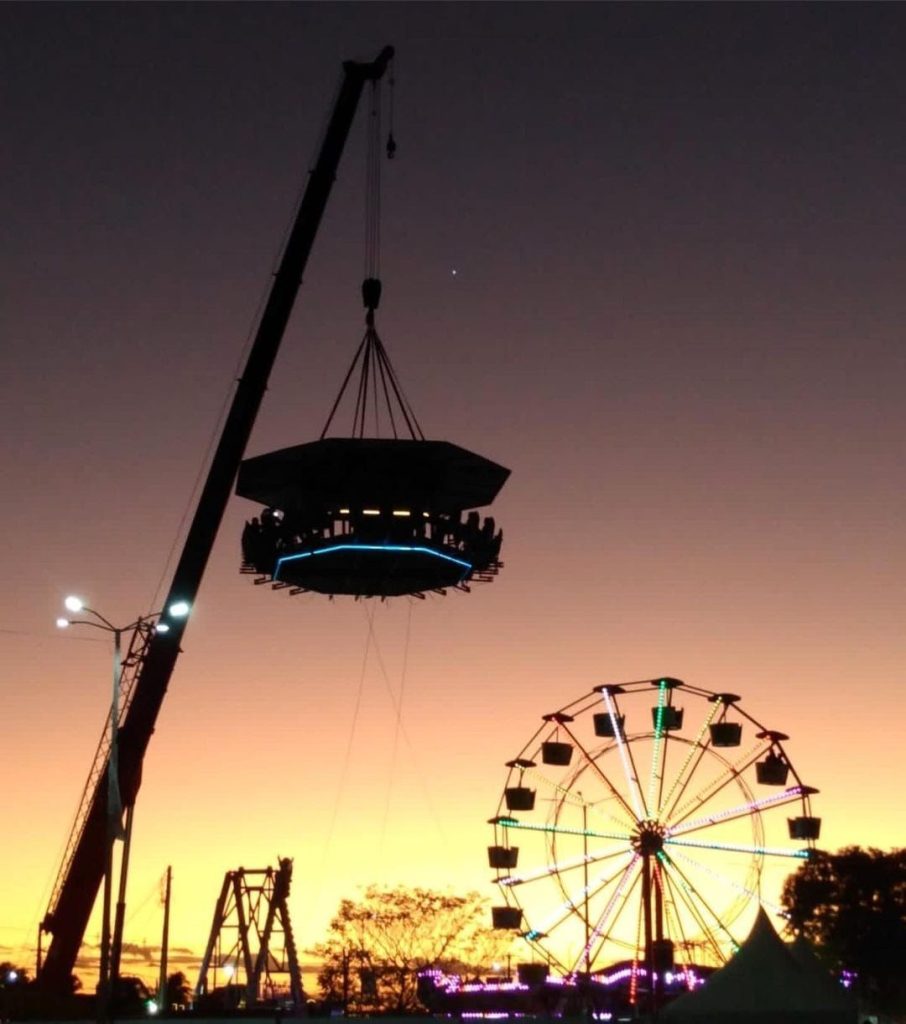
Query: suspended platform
<point>372,517</point>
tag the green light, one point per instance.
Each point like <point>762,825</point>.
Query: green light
<point>566,831</point>
<point>692,750</point>
<point>655,755</point>
<point>677,875</point>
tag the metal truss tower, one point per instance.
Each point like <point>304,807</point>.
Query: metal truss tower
<point>252,940</point>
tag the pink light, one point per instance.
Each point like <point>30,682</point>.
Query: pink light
<point>494,986</point>
<point>752,805</point>
<point>599,927</point>
<point>488,1015</point>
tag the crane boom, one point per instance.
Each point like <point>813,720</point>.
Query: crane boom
<point>83,869</point>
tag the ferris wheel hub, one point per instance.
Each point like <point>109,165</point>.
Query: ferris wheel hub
<point>648,840</point>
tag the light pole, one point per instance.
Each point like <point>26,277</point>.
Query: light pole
<point>110,953</point>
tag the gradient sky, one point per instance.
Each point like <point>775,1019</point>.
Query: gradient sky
<point>677,233</point>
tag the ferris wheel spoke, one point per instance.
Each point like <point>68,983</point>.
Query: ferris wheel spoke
<point>656,774</point>
<point>561,830</point>
<point>697,901</point>
<point>681,778</point>
<point>671,917</point>
<point>561,866</point>
<point>666,815</point>
<point>625,823</point>
<point>614,907</point>
<point>790,795</point>
<point>571,905</point>
<point>596,768</point>
<point>574,799</point>
<point>726,778</point>
<point>767,851</point>
<point>633,786</point>
<point>637,956</point>
<point>533,939</point>
<point>671,914</point>
<point>689,903</point>
<point>726,880</point>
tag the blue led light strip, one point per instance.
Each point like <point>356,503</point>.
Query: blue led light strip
<point>564,830</point>
<point>404,548</point>
<point>732,883</point>
<point>564,865</point>
<point>738,848</point>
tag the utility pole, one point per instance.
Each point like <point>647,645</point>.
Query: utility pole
<point>162,1005</point>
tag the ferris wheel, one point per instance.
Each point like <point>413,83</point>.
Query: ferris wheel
<point>638,823</point>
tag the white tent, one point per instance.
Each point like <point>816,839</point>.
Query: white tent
<point>766,982</point>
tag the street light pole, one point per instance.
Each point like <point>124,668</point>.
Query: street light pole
<point>111,945</point>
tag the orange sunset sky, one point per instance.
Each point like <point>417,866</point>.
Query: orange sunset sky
<point>648,257</point>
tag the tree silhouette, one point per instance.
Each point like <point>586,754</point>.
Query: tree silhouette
<point>12,974</point>
<point>13,982</point>
<point>179,991</point>
<point>376,945</point>
<point>852,906</point>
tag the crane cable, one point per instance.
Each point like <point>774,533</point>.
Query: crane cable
<point>377,378</point>
<point>347,758</point>
<point>397,729</point>
<point>372,266</point>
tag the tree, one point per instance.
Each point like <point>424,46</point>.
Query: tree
<point>12,975</point>
<point>852,906</point>
<point>13,982</point>
<point>131,995</point>
<point>376,945</point>
<point>179,991</point>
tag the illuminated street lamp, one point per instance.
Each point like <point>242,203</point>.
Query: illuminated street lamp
<point>157,622</point>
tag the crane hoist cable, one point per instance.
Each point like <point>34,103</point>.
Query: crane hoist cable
<point>378,384</point>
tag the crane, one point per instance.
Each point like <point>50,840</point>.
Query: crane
<point>153,655</point>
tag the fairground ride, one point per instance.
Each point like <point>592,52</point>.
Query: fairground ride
<point>636,826</point>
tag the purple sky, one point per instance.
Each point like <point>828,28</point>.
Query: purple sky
<point>677,233</point>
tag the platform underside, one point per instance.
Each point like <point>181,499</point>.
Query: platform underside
<point>371,553</point>
<point>371,570</point>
